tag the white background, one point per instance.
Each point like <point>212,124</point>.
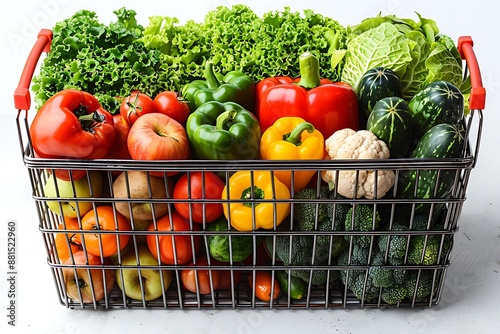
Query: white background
<point>471,298</point>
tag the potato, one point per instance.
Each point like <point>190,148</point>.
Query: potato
<point>136,185</point>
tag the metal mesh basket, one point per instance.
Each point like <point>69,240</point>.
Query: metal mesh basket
<point>344,267</point>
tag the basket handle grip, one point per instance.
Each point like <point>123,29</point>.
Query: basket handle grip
<point>477,92</point>
<point>22,98</point>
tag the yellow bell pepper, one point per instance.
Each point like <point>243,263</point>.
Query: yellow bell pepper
<point>292,138</point>
<point>254,214</point>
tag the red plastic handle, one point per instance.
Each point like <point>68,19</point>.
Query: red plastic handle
<point>477,92</point>
<point>22,98</point>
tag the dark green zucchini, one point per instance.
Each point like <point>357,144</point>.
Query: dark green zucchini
<point>439,102</point>
<point>374,85</point>
<point>390,121</point>
<point>441,141</point>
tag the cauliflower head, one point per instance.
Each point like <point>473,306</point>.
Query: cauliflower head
<point>362,144</point>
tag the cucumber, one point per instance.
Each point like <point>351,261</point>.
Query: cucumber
<point>439,102</point>
<point>298,287</point>
<point>375,84</point>
<point>441,141</point>
<point>390,121</point>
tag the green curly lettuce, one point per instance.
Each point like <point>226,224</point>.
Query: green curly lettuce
<point>109,61</point>
<point>104,60</point>
<point>237,39</point>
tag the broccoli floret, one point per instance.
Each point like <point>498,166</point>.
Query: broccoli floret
<point>365,219</point>
<point>379,276</point>
<point>397,245</point>
<point>310,211</point>
<point>392,285</point>
<point>340,211</point>
<point>301,254</point>
<point>307,213</point>
<point>338,244</point>
<point>362,287</point>
<point>382,277</point>
<point>359,256</point>
<point>394,294</point>
<point>310,215</point>
<point>417,222</point>
<point>419,286</point>
<point>429,255</point>
<point>355,279</point>
<point>400,276</point>
<point>318,277</point>
<point>424,250</point>
<point>420,222</point>
<point>419,255</point>
<point>321,257</point>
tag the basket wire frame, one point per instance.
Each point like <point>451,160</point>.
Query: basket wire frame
<point>240,294</point>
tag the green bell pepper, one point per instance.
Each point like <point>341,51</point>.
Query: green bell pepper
<point>223,131</point>
<point>235,86</point>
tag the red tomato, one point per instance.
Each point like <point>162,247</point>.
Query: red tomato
<point>225,278</point>
<point>264,285</point>
<point>136,105</point>
<point>103,218</point>
<point>203,280</point>
<point>157,136</point>
<point>225,275</point>
<point>119,149</point>
<point>171,104</point>
<point>199,185</point>
<point>67,243</point>
<point>184,243</point>
<point>93,284</point>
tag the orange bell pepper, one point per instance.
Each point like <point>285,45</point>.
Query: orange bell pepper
<point>292,138</point>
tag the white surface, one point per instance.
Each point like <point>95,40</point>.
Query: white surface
<point>470,303</point>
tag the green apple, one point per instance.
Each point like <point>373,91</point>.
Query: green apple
<point>68,190</point>
<point>129,280</point>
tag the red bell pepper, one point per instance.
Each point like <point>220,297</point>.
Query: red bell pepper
<point>72,125</point>
<point>329,106</point>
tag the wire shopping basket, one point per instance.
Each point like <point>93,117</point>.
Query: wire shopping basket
<point>103,254</point>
